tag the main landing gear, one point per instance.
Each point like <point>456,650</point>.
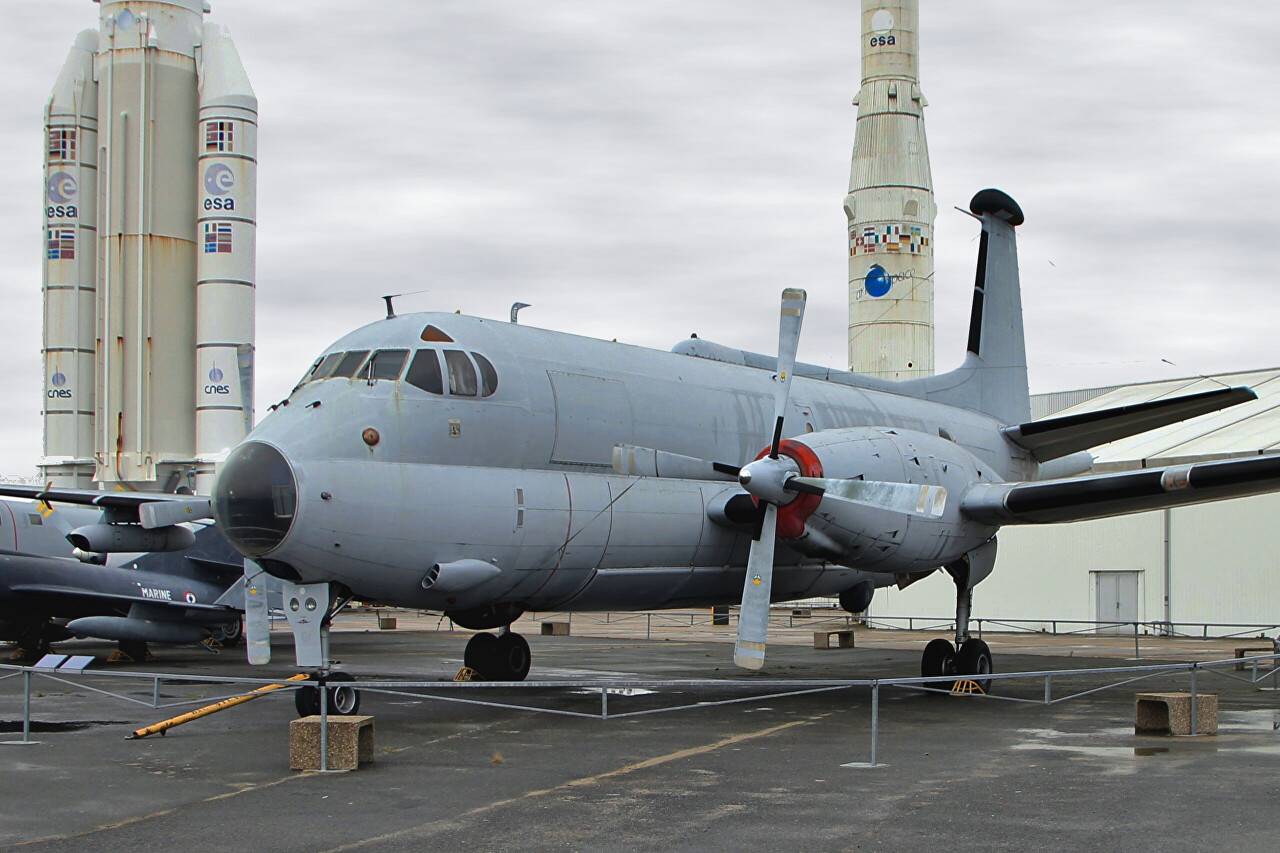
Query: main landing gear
<point>501,657</point>
<point>969,658</point>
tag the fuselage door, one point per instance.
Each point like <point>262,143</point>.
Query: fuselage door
<point>592,415</point>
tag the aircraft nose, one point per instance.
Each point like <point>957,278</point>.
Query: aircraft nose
<point>254,498</point>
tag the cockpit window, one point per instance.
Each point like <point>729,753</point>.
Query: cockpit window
<point>434,335</point>
<point>350,363</point>
<point>326,366</point>
<point>488,376</point>
<point>385,364</point>
<point>424,372</point>
<point>462,374</point>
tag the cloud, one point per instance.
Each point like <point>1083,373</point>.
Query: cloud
<point>641,171</point>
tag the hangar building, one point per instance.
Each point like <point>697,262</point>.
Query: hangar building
<point>1212,563</point>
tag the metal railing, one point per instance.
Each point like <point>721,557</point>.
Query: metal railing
<point>618,687</point>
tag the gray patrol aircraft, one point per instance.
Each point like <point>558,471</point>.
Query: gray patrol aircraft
<point>485,469</point>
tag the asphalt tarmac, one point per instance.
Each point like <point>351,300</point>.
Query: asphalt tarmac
<point>957,773</point>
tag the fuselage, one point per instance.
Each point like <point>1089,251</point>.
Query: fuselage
<point>428,439</point>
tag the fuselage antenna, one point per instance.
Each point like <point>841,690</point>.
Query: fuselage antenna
<point>391,311</point>
<point>515,309</point>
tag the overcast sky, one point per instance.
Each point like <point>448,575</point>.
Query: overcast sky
<point>643,170</point>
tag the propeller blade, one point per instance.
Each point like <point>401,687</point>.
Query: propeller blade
<point>753,619</point>
<point>898,497</point>
<point>257,619</point>
<point>792,317</point>
<point>647,462</point>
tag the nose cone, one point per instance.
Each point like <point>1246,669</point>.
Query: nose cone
<point>254,498</point>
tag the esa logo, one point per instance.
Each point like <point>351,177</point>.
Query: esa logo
<point>61,211</point>
<point>61,189</point>
<point>881,41</point>
<point>218,181</point>
<point>57,392</point>
<point>215,385</point>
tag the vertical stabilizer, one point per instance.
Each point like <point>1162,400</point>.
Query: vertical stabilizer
<point>993,377</point>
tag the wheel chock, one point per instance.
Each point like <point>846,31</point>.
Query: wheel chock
<point>468,674</point>
<point>967,687</point>
<point>119,656</point>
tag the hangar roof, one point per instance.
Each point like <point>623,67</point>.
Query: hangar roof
<point>1249,429</point>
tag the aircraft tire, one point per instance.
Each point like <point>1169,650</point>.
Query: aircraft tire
<point>511,657</point>
<point>974,659</point>
<point>306,700</point>
<point>939,659</point>
<point>229,635</point>
<point>481,655</point>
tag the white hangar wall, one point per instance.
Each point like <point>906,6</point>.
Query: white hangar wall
<point>1224,566</point>
<point>1222,560</point>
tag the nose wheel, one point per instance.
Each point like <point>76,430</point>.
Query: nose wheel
<point>501,657</point>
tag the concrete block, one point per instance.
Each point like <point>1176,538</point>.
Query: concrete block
<point>386,623</point>
<point>350,742</point>
<point>555,629</point>
<point>1170,714</point>
<point>844,639</point>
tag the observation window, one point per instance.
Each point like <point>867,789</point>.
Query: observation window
<point>488,376</point>
<point>351,363</point>
<point>424,372</point>
<point>434,335</point>
<point>462,374</point>
<point>385,364</point>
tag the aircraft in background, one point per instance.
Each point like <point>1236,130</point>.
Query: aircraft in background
<point>51,590</point>
<point>485,469</point>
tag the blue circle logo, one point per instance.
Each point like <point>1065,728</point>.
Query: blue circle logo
<point>58,379</point>
<point>218,179</point>
<point>877,281</point>
<point>215,375</point>
<point>61,187</point>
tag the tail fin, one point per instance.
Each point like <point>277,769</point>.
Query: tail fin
<point>993,377</point>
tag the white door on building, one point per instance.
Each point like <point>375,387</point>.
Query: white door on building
<point>1117,597</point>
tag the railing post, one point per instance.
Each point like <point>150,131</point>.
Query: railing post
<point>155,692</point>
<point>1048,689</point>
<point>604,702</point>
<point>1195,722</point>
<point>324,729</point>
<point>1137,652</point>
<point>875,720</point>
<point>648,624</point>
<point>26,706</point>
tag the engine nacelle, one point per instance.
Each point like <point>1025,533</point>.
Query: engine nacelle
<point>459,575</point>
<point>130,538</point>
<point>879,539</point>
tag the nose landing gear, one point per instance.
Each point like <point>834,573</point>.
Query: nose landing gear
<point>970,657</point>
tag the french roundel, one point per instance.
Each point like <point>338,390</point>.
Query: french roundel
<point>877,281</point>
<point>190,597</point>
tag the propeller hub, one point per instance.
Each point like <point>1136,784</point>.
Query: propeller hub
<point>764,479</point>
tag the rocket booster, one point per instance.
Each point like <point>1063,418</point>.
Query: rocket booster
<point>149,250</point>
<point>890,206</point>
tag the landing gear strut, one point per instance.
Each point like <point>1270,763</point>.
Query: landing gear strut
<point>310,609</point>
<point>504,657</point>
<point>969,657</point>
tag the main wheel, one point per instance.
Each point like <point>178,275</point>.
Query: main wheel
<point>974,660</point>
<point>939,659</point>
<point>481,654</point>
<point>511,657</point>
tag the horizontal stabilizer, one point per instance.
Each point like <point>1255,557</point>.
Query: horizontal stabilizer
<point>1081,498</point>
<point>1051,438</point>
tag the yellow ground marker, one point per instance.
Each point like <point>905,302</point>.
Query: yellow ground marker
<point>967,687</point>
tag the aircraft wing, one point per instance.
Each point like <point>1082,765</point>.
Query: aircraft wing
<point>1051,438</point>
<point>1103,495</point>
<point>153,509</point>
<point>59,591</point>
